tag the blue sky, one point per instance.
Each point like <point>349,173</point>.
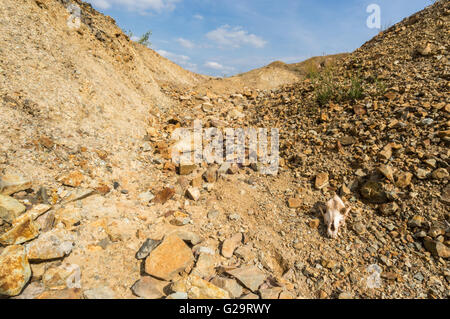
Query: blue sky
<point>226,37</point>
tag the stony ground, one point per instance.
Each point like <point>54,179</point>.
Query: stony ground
<point>91,205</point>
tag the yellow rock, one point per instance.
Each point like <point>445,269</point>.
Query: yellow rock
<point>20,233</point>
<point>15,270</point>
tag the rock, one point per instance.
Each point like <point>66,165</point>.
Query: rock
<point>187,169</point>
<point>213,214</point>
<point>294,202</point>
<point>345,295</point>
<point>347,140</point>
<point>77,194</point>
<point>246,253</point>
<point>193,193</point>
<point>20,233</point>
<point>150,288</point>
<point>223,169</point>
<point>178,295</point>
<point>13,183</point>
<point>250,296</point>
<point>31,291</point>
<point>63,276</point>
<point>403,179</point>
<point>386,153</point>
<point>53,244</point>
<point>146,197</point>
<point>163,196</point>
<point>388,209</point>
<point>15,270</point>
<point>437,248</point>
<point>286,295</point>
<point>422,173</point>
<point>73,179</point>
<point>445,195</point>
<point>424,50</point>
<point>373,192</point>
<point>270,293</point>
<point>147,248</point>
<point>197,288</point>
<point>210,175</point>
<point>230,285</point>
<point>250,276</point>
<point>230,244</point>
<point>416,221</point>
<point>359,228</point>
<point>188,236</point>
<point>440,173</point>
<point>71,293</point>
<point>171,257</point>
<point>321,180</point>
<point>314,223</point>
<point>205,266</point>
<point>32,214</point>
<point>101,292</point>
<point>387,171</point>
<point>10,208</point>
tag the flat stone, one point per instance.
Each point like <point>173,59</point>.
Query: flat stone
<point>230,244</point>
<point>178,295</point>
<point>146,197</point>
<point>193,193</point>
<point>163,196</point>
<point>188,236</point>
<point>63,276</point>
<point>20,233</point>
<point>386,153</point>
<point>234,289</point>
<point>10,208</point>
<point>250,276</point>
<point>437,248</point>
<point>205,266</point>
<point>102,292</point>
<point>53,244</point>
<point>147,248</point>
<point>321,180</point>
<point>294,202</point>
<point>440,173</point>
<point>403,179</point>
<point>15,270</point>
<point>187,169</point>
<point>13,183</point>
<point>171,257</point>
<point>33,213</point>
<point>387,172</point>
<point>31,291</point>
<point>270,293</point>
<point>197,288</point>
<point>149,288</point>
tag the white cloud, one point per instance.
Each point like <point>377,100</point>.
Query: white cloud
<point>198,17</point>
<point>217,66</point>
<point>227,36</point>
<point>186,43</point>
<point>180,59</point>
<point>137,5</point>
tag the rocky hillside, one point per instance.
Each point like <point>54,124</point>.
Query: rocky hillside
<point>91,205</point>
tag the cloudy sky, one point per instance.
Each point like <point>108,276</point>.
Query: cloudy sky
<point>226,37</point>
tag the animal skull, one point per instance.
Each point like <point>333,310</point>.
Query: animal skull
<point>335,215</point>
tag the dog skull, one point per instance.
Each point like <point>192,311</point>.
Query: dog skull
<point>335,215</point>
